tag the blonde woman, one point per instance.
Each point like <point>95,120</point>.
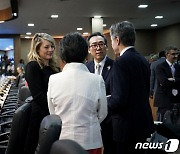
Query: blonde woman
<point>41,65</point>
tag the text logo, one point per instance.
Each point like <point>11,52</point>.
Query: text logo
<point>170,145</point>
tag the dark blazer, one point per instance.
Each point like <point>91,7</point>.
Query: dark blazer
<point>163,95</point>
<point>106,125</point>
<point>106,72</point>
<point>129,102</point>
<point>153,78</point>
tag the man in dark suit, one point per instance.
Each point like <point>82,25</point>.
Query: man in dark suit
<point>102,65</point>
<point>168,82</point>
<point>129,102</point>
<point>153,79</point>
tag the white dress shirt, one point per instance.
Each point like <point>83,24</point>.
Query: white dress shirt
<point>125,49</point>
<point>79,98</point>
<point>101,64</point>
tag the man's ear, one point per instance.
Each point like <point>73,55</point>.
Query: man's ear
<point>118,41</point>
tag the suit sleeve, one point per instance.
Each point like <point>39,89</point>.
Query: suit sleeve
<point>162,77</point>
<point>120,81</point>
<point>152,78</point>
<point>102,104</point>
<point>50,103</point>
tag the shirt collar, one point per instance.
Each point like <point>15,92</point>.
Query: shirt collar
<point>74,65</point>
<point>125,49</point>
<point>101,63</point>
<point>169,63</point>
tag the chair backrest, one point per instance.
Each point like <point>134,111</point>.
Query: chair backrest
<point>23,94</point>
<point>67,147</point>
<point>49,132</point>
<point>19,129</point>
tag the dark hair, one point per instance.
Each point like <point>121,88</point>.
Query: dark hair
<point>73,48</point>
<point>125,31</point>
<point>21,61</point>
<point>162,54</point>
<point>97,34</point>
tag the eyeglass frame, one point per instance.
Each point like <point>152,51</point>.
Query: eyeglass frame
<point>95,46</point>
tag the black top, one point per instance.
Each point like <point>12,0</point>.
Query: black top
<point>37,80</point>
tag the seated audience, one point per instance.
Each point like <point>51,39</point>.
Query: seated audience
<point>20,79</point>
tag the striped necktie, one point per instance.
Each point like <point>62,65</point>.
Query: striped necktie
<point>98,68</point>
<point>172,70</point>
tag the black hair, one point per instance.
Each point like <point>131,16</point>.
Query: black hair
<point>73,48</point>
<point>162,54</point>
<point>97,34</point>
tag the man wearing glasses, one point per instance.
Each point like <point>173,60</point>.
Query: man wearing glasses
<point>168,79</point>
<point>102,65</point>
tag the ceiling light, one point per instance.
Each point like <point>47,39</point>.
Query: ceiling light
<point>85,33</point>
<point>104,25</point>
<point>142,6</point>
<point>79,28</point>
<point>28,33</point>
<point>27,37</point>
<point>15,14</point>
<point>154,25</point>
<point>1,22</point>
<point>97,16</point>
<point>159,17</point>
<point>54,16</point>
<point>31,25</point>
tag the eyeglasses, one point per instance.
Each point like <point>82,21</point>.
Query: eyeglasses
<point>174,54</point>
<point>95,46</point>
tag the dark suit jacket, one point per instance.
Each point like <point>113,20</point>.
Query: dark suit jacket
<point>129,101</point>
<point>106,72</point>
<point>153,79</point>
<point>163,95</point>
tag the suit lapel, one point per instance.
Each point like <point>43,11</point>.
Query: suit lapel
<point>106,68</point>
<point>168,68</point>
<point>91,67</point>
<point>177,70</point>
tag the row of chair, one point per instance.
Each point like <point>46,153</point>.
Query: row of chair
<point>8,107</point>
<point>49,133</point>
<point>14,121</point>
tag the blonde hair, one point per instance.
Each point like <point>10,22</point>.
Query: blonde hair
<point>35,46</point>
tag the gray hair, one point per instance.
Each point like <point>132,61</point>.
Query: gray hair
<point>125,31</point>
<point>169,48</point>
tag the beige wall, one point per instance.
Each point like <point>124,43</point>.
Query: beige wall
<point>153,41</point>
<point>25,47</point>
<point>147,42</point>
<point>168,36</point>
